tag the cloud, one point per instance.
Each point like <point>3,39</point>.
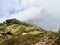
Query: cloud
<point>32,10</point>
<point>28,14</point>
<point>9,7</point>
<point>12,7</point>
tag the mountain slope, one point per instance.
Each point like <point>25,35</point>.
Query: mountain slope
<point>14,32</point>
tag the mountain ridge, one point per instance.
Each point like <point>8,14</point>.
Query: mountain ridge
<point>15,32</point>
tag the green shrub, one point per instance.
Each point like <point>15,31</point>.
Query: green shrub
<point>11,41</point>
<point>35,33</point>
<point>18,30</point>
<point>3,29</point>
<point>28,29</point>
<point>59,30</point>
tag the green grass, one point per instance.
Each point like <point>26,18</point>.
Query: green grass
<point>28,29</point>
<point>35,33</point>
<point>16,29</point>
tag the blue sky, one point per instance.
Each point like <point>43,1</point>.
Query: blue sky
<point>31,10</point>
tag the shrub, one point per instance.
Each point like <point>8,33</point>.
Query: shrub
<point>59,30</point>
<point>18,30</point>
<point>35,33</point>
<point>28,29</point>
<point>11,41</point>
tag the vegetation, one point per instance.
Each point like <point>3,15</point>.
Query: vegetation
<point>11,34</point>
<point>35,33</point>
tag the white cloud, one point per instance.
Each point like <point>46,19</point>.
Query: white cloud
<point>28,14</point>
<point>52,6</point>
<point>7,5</point>
<point>30,10</point>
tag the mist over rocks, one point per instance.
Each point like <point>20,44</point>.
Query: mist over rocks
<point>46,21</point>
<point>39,17</point>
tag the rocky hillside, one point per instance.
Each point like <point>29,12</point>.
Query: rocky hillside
<point>14,32</point>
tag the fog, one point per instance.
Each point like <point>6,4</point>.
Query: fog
<point>43,13</point>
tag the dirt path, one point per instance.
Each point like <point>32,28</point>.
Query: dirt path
<point>52,43</point>
<point>44,39</point>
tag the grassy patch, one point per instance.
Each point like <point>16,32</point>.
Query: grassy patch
<point>35,33</point>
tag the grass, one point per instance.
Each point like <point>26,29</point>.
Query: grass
<point>35,33</point>
<point>16,29</point>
